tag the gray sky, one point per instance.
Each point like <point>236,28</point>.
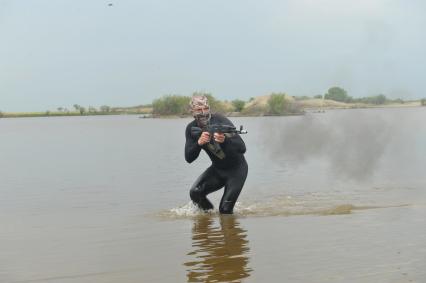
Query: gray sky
<point>58,53</point>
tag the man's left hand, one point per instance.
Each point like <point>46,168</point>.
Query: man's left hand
<point>219,137</point>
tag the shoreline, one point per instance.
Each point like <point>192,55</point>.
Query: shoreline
<point>71,114</point>
<point>145,115</point>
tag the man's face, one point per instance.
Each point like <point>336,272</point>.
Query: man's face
<point>201,114</point>
<point>200,110</point>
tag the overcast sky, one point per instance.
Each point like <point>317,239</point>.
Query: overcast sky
<point>60,53</point>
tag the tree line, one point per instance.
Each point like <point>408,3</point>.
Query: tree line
<point>178,105</point>
<point>339,94</point>
<point>277,104</point>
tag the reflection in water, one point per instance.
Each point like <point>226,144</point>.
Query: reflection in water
<point>219,252</point>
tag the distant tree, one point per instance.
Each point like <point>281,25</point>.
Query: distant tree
<point>1,114</point>
<point>318,96</point>
<point>337,94</point>
<point>238,105</point>
<point>77,107</point>
<point>379,99</point>
<point>251,99</point>
<point>277,104</point>
<point>47,112</point>
<point>105,108</point>
<point>82,110</point>
<point>423,101</point>
<point>60,109</point>
<point>92,109</point>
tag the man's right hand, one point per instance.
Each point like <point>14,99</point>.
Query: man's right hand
<point>204,138</point>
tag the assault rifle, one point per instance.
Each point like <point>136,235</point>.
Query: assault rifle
<point>213,146</point>
<point>217,128</point>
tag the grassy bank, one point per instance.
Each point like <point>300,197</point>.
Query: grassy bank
<point>147,111</point>
<point>331,104</point>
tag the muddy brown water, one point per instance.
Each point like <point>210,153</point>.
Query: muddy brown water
<point>330,197</point>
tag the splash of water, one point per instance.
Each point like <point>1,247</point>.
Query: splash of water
<point>187,210</point>
<point>310,204</point>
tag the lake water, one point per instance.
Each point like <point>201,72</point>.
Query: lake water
<point>330,197</point>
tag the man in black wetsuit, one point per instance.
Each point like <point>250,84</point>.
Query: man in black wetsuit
<point>229,167</point>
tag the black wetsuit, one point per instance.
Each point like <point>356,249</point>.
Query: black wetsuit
<point>230,171</point>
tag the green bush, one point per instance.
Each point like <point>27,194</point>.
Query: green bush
<point>238,105</point>
<point>338,94</point>
<point>171,105</point>
<point>277,104</point>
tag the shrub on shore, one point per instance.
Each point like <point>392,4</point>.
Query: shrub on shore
<point>171,105</point>
<point>277,104</point>
<point>238,105</point>
<point>280,104</point>
<point>337,94</point>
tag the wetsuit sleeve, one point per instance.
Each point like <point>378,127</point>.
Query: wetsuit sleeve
<point>233,143</point>
<point>192,149</point>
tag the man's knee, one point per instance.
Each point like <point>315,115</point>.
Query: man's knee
<point>196,193</point>
<point>227,207</point>
<point>198,196</point>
